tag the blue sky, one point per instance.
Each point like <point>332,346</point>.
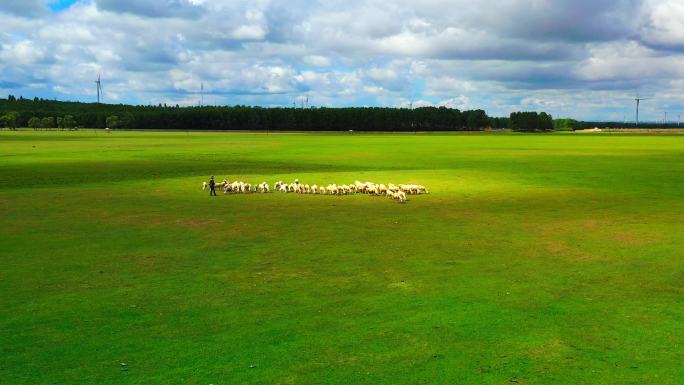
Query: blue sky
<point>583,58</point>
<point>60,5</point>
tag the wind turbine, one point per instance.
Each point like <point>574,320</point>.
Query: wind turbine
<point>638,101</point>
<point>99,88</point>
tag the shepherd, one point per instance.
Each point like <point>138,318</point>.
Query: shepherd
<point>212,186</point>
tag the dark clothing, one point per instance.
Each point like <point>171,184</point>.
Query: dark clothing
<point>212,188</point>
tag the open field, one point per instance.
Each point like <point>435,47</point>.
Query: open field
<point>656,131</point>
<point>537,259</point>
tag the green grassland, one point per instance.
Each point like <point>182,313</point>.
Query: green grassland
<point>536,259</point>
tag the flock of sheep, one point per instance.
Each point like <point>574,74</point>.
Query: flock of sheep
<point>392,191</point>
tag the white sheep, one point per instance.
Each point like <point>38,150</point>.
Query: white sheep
<point>373,190</point>
<point>382,189</point>
<point>205,185</point>
<point>262,187</point>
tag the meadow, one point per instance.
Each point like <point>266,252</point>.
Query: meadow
<point>536,259</point>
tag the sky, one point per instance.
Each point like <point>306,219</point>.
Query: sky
<point>584,59</point>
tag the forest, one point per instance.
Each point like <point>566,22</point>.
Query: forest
<point>41,113</point>
<point>45,114</point>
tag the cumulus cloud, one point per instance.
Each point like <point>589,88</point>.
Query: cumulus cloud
<point>664,24</point>
<point>502,55</point>
<point>153,8</point>
<point>26,8</point>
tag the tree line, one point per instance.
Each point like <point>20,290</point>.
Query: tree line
<point>41,113</point>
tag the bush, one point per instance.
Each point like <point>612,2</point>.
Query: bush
<point>34,122</point>
<point>531,121</point>
<point>48,122</point>
<point>565,125</point>
<point>68,122</point>
<point>10,120</point>
<point>113,121</point>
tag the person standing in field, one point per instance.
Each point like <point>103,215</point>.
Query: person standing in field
<point>212,186</point>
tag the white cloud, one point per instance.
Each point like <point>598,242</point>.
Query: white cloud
<point>317,60</point>
<point>507,55</point>
<point>664,24</point>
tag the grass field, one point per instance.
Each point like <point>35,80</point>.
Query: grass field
<point>537,259</point>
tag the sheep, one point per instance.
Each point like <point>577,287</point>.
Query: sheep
<point>296,186</point>
<point>382,189</point>
<point>409,189</point>
<point>373,190</point>
<point>332,189</point>
<point>221,184</point>
<point>262,187</point>
<point>391,191</point>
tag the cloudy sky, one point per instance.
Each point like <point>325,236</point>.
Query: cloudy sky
<point>577,58</point>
